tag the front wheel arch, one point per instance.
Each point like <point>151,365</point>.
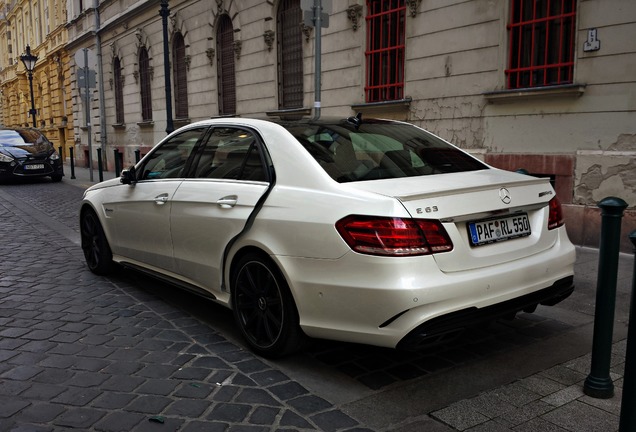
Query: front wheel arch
<point>95,246</point>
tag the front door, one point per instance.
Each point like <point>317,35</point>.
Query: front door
<point>138,215</point>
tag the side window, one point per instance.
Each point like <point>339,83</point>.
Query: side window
<point>226,76</point>
<point>541,43</point>
<point>180,73</point>
<point>170,158</point>
<point>385,50</point>
<point>145,85</point>
<point>231,153</point>
<point>118,81</point>
<point>290,54</point>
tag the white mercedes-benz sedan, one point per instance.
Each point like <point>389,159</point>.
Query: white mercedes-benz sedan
<point>359,230</point>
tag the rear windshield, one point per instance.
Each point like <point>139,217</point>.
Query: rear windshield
<point>380,150</point>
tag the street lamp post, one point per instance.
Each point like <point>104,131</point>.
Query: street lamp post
<point>165,13</point>
<point>29,63</point>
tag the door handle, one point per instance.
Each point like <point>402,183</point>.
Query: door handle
<point>228,201</point>
<point>161,199</point>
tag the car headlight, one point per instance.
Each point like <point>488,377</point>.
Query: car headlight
<point>5,158</point>
<point>54,157</point>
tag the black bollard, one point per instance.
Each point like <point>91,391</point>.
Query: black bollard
<point>60,155</point>
<point>117,165</point>
<point>100,166</point>
<point>137,155</point>
<point>70,150</point>
<point>598,383</point>
<point>628,414</point>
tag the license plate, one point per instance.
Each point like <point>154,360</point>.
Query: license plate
<point>34,167</point>
<point>500,229</point>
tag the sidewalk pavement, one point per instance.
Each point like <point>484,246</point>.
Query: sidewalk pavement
<point>494,394</point>
<point>83,177</point>
<point>549,401</point>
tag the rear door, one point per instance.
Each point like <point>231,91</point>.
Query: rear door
<point>138,215</point>
<point>212,207</point>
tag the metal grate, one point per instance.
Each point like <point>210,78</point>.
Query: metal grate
<point>385,50</point>
<point>225,65</point>
<point>290,55</point>
<point>541,43</point>
<point>119,91</point>
<point>179,71</point>
<point>144,79</point>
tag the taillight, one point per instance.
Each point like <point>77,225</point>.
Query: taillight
<point>555,219</point>
<point>394,236</point>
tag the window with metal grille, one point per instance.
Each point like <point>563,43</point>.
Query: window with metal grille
<point>225,64</point>
<point>180,77</point>
<point>290,55</point>
<point>144,80</point>
<point>385,50</point>
<point>541,43</point>
<point>119,91</point>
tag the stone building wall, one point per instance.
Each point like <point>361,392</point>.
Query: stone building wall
<point>581,135</point>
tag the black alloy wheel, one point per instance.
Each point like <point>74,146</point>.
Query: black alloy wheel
<point>99,257</point>
<point>264,309</point>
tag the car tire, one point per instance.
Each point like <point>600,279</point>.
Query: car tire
<point>97,253</point>
<point>264,308</point>
<point>56,178</point>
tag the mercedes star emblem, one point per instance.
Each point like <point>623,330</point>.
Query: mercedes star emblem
<point>504,194</point>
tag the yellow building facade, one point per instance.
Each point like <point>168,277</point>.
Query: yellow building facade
<point>39,24</point>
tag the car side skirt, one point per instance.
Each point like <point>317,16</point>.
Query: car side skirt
<point>163,277</point>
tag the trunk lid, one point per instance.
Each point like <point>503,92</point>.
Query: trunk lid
<point>490,198</point>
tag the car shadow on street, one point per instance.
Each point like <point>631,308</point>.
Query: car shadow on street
<point>377,368</point>
<point>372,367</point>
<point>19,181</point>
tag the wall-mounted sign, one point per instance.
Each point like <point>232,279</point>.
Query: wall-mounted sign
<point>592,43</point>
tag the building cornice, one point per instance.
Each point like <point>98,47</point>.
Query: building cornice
<point>135,9</point>
<point>503,96</point>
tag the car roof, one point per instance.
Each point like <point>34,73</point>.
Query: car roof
<point>288,121</point>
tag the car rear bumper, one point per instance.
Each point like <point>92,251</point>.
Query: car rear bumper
<point>395,301</point>
<point>443,328</point>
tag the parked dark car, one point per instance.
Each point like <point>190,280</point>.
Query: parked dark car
<point>26,152</point>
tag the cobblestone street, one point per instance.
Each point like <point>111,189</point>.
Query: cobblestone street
<point>84,352</point>
<point>129,353</point>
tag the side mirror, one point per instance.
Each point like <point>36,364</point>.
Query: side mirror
<point>128,176</point>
